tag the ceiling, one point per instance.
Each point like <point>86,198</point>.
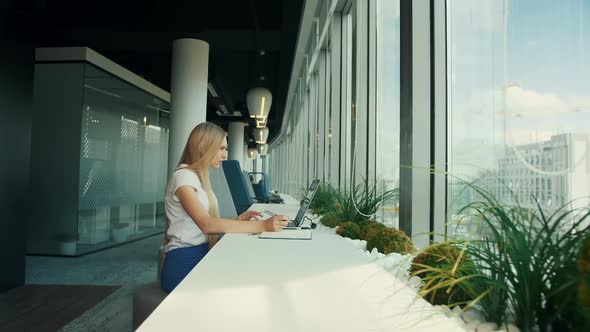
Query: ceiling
<point>251,42</point>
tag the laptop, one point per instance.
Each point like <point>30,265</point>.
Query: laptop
<point>296,223</point>
<point>313,187</point>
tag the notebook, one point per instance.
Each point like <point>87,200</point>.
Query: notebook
<point>300,234</point>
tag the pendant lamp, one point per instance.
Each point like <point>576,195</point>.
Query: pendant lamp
<point>259,101</point>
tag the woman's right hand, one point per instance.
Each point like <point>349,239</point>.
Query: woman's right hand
<point>275,223</point>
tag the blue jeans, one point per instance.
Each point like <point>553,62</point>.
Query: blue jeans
<point>179,262</point>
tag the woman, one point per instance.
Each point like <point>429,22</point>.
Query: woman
<point>191,206</point>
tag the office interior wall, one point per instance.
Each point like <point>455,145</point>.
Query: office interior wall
<point>16,91</point>
<point>55,150</point>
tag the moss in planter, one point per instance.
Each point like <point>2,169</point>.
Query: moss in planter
<point>370,228</point>
<point>390,240</point>
<point>330,220</point>
<point>440,259</point>
<point>349,229</point>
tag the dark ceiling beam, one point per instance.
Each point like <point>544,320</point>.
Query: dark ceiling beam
<point>161,42</point>
<point>291,13</point>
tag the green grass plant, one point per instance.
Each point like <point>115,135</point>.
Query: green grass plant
<point>324,199</point>
<point>330,219</point>
<point>362,202</point>
<point>444,269</point>
<point>525,264</point>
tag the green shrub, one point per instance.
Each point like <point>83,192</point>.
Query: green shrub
<point>330,220</point>
<point>441,267</point>
<point>349,229</point>
<point>390,240</point>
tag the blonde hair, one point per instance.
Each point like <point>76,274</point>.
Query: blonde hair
<point>199,153</point>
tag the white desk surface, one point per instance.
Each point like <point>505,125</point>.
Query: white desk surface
<point>288,210</point>
<point>324,284</point>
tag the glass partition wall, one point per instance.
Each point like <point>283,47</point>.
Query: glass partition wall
<point>123,154</point>
<point>99,167</point>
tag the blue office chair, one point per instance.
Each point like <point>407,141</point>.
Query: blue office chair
<point>225,202</point>
<point>261,189</point>
<point>240,187</point>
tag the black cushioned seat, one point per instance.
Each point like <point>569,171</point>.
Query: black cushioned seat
<point>145,300</point>
<point>147,297</point>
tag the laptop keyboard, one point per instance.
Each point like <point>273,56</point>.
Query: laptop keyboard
<point>291,224</point>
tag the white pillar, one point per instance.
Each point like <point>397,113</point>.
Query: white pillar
<point>188,95</point>
<point>258,163</point>
<point>235,142</point>
<point>264,166</point>
<point>247,161</point>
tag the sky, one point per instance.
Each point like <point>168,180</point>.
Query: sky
<point>519,74</point>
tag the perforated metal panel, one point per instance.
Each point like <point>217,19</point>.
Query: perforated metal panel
<point>96,159</point>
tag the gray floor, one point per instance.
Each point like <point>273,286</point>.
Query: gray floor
<point>129,266</point>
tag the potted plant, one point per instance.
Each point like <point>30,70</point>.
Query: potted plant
<point>67,244</point>
<point>119,232</point>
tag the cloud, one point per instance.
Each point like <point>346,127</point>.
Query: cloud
<point>530,116</point>
<point>522,136</point>
<point>520,101</point>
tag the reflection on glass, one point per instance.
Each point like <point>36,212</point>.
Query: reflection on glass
<point>519,102</point>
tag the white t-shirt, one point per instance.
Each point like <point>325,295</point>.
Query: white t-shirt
<point>183,231</point>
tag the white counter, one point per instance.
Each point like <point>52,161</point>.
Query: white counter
<point>323,284</point>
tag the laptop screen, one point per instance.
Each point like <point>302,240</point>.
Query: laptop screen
<point>306,202</point>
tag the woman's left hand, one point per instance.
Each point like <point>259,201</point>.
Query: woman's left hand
<point>249,215</point>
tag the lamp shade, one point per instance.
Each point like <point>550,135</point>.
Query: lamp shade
<point>259,101</point>
<point>251,153</point>
<point>262,149</point>
<point>261,134</point>
<point>261,123</point>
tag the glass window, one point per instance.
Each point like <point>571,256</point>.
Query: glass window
<point>347,90</point>
<point>388,90</point>
<point>519,100</point>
